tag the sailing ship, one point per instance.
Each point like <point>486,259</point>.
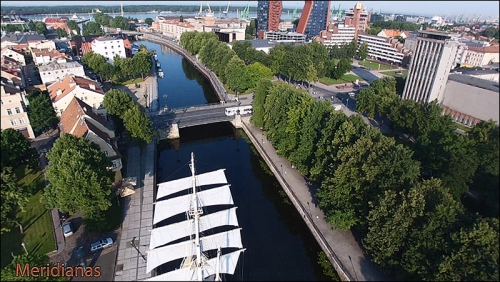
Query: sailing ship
<point>196,252</point>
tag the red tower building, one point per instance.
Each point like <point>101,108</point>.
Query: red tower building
<point>268,16</point>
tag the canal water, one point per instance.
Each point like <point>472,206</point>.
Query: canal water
<point>182,84</point>
<point>279,246</point>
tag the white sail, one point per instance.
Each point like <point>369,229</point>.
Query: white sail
<point>167,208</point>
<point>166,234</point>
<point>227,264</point>
<point>159,256</point>
<point>174,186</point>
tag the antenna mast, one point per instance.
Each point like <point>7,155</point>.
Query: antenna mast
<point>195,213</point>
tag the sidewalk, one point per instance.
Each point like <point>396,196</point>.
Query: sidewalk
<point>344,248</point>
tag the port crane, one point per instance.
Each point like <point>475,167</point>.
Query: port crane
<point>245,12</point>
<point>294,15</point>
<point>209,11</point>
<point>227,9</point>
<point>200,13</point>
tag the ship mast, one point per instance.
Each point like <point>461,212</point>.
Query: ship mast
<point>196,212</point>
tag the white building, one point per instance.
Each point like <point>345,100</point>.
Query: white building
<point>13,54</point>
<point>109,47</point>
<point>174,28</point>
<point>42,44</point>
<point>79,120</point>
<point>384,49</point>
<point>336,35</point>
<point>62,92</point>
<point>430,66</point>
<point>45,56</point>
<point>58,69</point>
<point>13,108</point>
<point>478,57</point>
<point>282,36</point>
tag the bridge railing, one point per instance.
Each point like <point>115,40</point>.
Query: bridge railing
<point>205,121</point>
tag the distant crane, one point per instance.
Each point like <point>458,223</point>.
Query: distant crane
<point>245,12</point>
<point>339,13</point>
<point>200,13</point>
<point>294,14</point>
<point>209,11</point>
<point>227,9</point>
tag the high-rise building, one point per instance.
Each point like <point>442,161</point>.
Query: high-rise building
<point>314,18</point>
<point>268,16</point>
<point>430,66</point>
<point>358,18</point>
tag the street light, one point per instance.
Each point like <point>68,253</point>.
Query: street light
<point>24,247</point>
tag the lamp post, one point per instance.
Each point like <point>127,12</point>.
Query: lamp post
<point>236,90</point>
<point>24,247</point>
<point>137,249</point>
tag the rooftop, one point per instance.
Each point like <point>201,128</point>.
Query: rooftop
<point>263,43</point>
<point>57,66</point>
<point>474,81</point>
<point>22,38</point>
<point>68,84</point>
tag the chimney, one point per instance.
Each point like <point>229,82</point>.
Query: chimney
<point>72,83</point>
<point>59,92</point>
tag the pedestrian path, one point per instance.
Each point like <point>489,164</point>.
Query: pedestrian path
<point>341,246</point>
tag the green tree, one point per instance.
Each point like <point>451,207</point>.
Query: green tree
<point>97,63</point>
<point>474,255</point>
<point>241,48</point>
<point>41,28</point>
<point>14,198</point>
<point>236,74</point>
<point>149,21</point>
<point>259,100</point>
<point>256,72</point>
<point>117,102</point>
<point>16,149</point>
<point>366,102</point>
<point>40,111</point>
<point>138,124</point>
<point>79,177</point>
<point>102,19</point>
<point>9,272</point>
<point>120,22</point>
<point>363,51</point>
<point>60,33</point>
<point>142,63</point>
<point>31,25</point>
<point>319,57</point>
<point>181,19</point>
<point>73,26</point>
<point>374,30</point>
<point>92,28</point>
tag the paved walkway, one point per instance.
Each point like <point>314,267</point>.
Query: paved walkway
<point>340,245</point>
<point>137,215</point>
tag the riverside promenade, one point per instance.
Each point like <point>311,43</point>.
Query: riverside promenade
<point>342,249</point>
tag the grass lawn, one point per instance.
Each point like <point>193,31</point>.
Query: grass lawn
<point>36,221</point>
<point>347,78</point>
<point>131,81</point>
<point>394,73</point>
<point>375,66</point>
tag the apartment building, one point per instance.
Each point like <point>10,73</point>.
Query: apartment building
<point>481,56</point>
<point>80,120</point>
<point>13,54</point>
<point>358,18</point>
<point>314,18</point>
<point>42,44</point>
<point>282,36</point>
<point>58,69</point>
<point>56,23</point>
<point>109,47</point>
<point>268,16</point>
<point>62,92</point>
<point>13,107</point>
<point>430,66</point>
<point>45,56</point>
<point>388,50</point>
<point>175,28</point>
<point>336,35</point>
<point>470,100</point>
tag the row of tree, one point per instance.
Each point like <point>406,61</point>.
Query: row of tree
<point>122,105</point>
<point>307,62</point>
<point>116,22</point>
<point>371,182</point>
<point>39,27</point>
<point>123,68</point>
<point>223,61</point>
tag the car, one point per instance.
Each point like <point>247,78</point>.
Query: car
<point>352,94</point>
<point>67,230</point>
<point>63,216</point>
<point>101,244</point>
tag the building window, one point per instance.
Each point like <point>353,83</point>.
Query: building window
<point>21,121</point>
<point>9,112</point>
<point>13,122</point>
<point>18,111</point>
<point>105,47</point>
<point>106,53</point>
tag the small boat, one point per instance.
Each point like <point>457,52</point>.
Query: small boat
<point>158,64</point>
<point>160,72</point>
<point>201,256</point>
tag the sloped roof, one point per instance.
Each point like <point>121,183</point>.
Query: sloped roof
<point>391,32</point>
<point>22,38</point>
<point>68,84</point>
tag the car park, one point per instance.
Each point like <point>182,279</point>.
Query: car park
<point>67,229</point>
<point>101,244</point>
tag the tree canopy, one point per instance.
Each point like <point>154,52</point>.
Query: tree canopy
<point>138,124</point>
<point>117,102</point>
<point>41,112</point>
<point>14,197</point>
<point>79,177</point>
<point>16,149</point>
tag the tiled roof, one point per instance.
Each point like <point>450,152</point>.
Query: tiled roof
<point>53,20</point>
<point>391,32</point>
<point>487,49</point>
<point>22,38</point>
<point>68,84</point>
<point>78,120</point>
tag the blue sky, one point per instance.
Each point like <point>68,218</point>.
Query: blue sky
<point>427,8</point>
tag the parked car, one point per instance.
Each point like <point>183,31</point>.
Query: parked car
<point>67,229</point>
<point>63,216</point>
<point>101,244</point>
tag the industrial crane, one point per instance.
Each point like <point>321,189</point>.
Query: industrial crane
<point>227,9</point>
<point>200,13</point>
<point>294,15</point>
<point>209,11</point>
<point>245,12</point>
